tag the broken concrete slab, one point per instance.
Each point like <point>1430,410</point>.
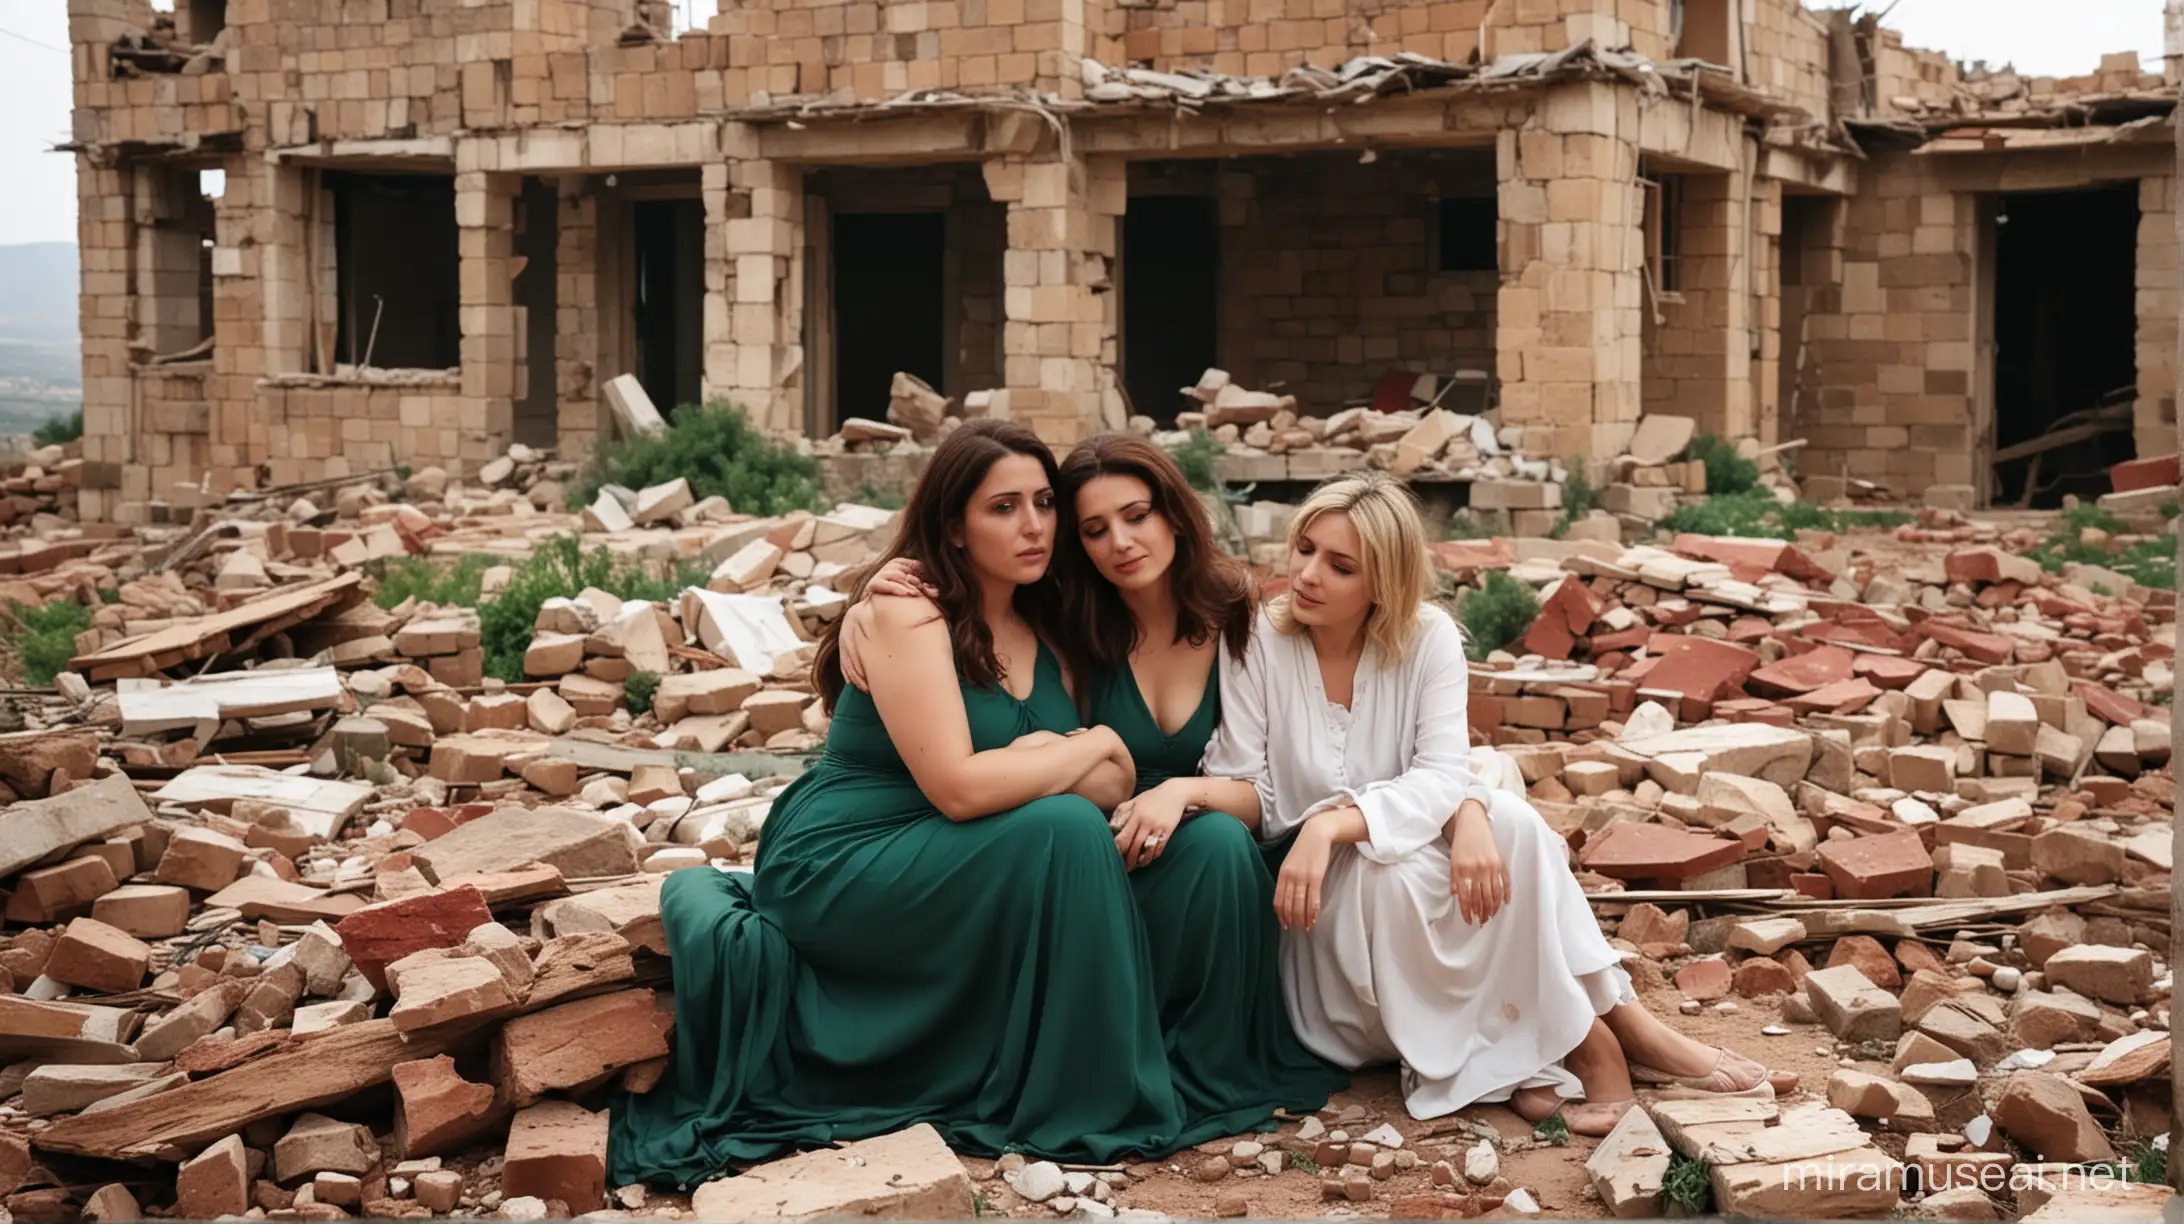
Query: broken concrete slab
<point>910,1174</point>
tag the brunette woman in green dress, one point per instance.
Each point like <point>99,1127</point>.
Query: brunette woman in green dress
<point>938,928</point>
<point>1149,603</point>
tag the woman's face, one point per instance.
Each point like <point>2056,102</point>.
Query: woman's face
<point>1007,532</point>
<point>1327,584</point>
<point>1131,543</point>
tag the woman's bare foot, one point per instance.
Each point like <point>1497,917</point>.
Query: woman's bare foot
<point>1589,1118</point>
<point>1660,1054</point>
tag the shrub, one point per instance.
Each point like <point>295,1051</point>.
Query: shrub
<point>57,430</point>
<point>561,569</point>
<point>1496,614</point>
<point>44,637</point>
<point>1756,513</point>
<point>716,448</point>
<point>1726,471</point>
<point>1196,458</point>
<point>638,691</point>
<point>432,580</point>
<point>1578,496</point>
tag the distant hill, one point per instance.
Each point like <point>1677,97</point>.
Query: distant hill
<point>41,361</point>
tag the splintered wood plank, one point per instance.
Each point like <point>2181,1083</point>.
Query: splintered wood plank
<point>206,636</point>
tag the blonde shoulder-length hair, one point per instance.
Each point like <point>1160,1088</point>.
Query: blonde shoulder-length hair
<point>1398,567</point>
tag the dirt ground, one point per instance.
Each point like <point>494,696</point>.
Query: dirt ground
<point>1554,1175</point>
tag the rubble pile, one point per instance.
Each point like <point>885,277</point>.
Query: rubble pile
<point>306,916</point>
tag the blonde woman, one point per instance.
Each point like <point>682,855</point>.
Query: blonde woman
<point>1430,919</point>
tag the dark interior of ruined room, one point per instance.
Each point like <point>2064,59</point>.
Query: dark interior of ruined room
<point>1171,255</point>
<point>1327,276</point>
<point>904,276</point>
<point>667,299</point>
<point>537,240</point>
<point>202,20</point>
<point>397,271</point>
<point>2065,333</point>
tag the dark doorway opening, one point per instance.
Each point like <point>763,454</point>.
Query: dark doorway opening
<point>1170,288</point>
<point>537,236</point>
<point>398,271</point>
<point>888,306</point>
<point>668,305</point>
<point>1810,286</point>
<point>2065,335</point>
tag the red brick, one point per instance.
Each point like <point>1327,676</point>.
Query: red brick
<point>1871,958</point>
<point>1842,697</point>
<point>379,935</point>
<point>99,957</point>
<point>1888,671</point>
<point>437,1110</point>
<point>1762,975</point>
<point>557,1150</point>
<point>1704,980</point>
<point>214,1183</point>
<point>1657,852</point>
<point>1698,667</point>
<point>576,1043</point>
<point>1815,669</point>
<point>2134,474</point>
<point>1985,647</point>
<point>1873,868</point>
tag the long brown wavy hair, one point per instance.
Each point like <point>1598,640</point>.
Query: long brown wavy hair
<point>936,506</point>
<point>1214,594</point>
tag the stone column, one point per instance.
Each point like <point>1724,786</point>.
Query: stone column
<point>1058,303</point>
<point>485,241</point>
<point>754,284</point>
<point>578,413</point>
<point>1566,324</point>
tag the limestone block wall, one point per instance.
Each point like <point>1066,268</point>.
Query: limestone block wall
<point>2154,414</point>
<point>1268,37</point>
<point>1698,339</point>
<point>870,50</point>
<point>1786,54</point>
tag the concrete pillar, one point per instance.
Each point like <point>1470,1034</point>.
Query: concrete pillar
<point>754,285</point>
<point>1566,326</point>
<point>485,242</point>
<point>1058,305</point>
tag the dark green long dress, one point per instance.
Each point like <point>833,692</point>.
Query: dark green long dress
<point>886,966</point>
<point>1208,904</point>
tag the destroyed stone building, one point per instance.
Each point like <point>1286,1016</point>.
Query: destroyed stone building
<point>445,226</point>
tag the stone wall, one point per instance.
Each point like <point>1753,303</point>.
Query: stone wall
<point>1329,276</point>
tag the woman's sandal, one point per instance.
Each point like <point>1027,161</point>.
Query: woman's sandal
<point>1719,1080</point>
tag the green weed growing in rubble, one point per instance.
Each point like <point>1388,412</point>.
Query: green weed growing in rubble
<point>1496,614</point>
<point>1689,1184</point>
<point>1196,458</point>
<point>2149,561</point>
<point>639,690</point>
<point>1755,513</point>
<point>432,580</point>
<point>44,637</point>
<point>1552,1130</point>
<point>562,569</point>
<point>1726,471</point>
<point>721,454</point>
<point>1579,497</point>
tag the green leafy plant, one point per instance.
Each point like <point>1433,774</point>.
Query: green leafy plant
<point>1552,1130</point>
<point>1496,614</point>
<point>1579,497</point>
<point>2142,1162</point>
<point>44,637</point>
<point>57,430</point>
<point>638,691</point>
<point>431,580</point>
<point>1298,1160</point>
<point>560,568</point>
<point>1196,458</point>
<point>877,496</point>
<point>2167,509</point>
<point>2149,561</point>
<point>1726,471</point>
<point>1689,1184</point>
<point>1756,513</point>
<point>721,454</point>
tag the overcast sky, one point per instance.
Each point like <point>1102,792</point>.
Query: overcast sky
<point>37,187</point>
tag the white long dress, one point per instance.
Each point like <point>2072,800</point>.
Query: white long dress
<point>1392,972</point>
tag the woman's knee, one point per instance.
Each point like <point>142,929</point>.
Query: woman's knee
<point>1063,819</point>
<point>1218,837</point>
